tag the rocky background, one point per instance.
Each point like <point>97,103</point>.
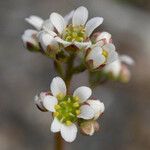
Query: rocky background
<point>126,122</point>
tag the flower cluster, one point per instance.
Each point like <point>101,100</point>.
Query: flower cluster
<point>70,110</point>
<point>61,34</point>
<point>66,39</point>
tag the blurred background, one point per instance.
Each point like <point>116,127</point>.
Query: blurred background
<point>126,122</point>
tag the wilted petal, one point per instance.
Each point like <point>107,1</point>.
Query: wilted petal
<point>86,112</point>
<point>49,102</point>
<point>92,24</point>
<point>56,125</point>
<point>83,93</point>
<point>58,22</point>
<point>58,86</point>
<point>35,21</point>
<point>80,16</point>
<point>69,133</point>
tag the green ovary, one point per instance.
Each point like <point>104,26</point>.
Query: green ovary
<point>76,33</point>
<point>67,109</point>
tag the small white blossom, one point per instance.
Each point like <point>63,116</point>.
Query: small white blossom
<point>67,109</point>
<point>78,31</point>
<point>102,52</point>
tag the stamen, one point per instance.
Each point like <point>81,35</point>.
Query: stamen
<point>68,122</point>
<point>67,109</point>
<point>76,104</point>
<point>105,53</point>
<point>56,114</point>
<point>57,107</point>
<point>78,112</point>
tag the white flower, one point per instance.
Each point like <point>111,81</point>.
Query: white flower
<point>30,39</point>
<point>77,33</point>
<point>115,67</point>
<point>68,108</point>
<point>102,52</point>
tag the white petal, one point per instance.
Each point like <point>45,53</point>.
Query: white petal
<point>49,102</point>
<point>68,17</point>
<point>109,47</point>
<point>58,22</point>
<point>35,21</point>
<point>97,106</point>
<point>80,16</point>
<point>86,112</point>
<point>46,39</point>
<point>92,24</point>
<point>81,45</point>
<point>28,37</point>
<point>58,86</point>
<point>104,35</point>
<point>65,43</point>
<point>56,125</point>
<point>97,57</point>
<point>112,54</point>
<point>83,93</point>
<point>69,133</point>
<point>47,25</point>
<point>126,59</point>
<point>114,68</point>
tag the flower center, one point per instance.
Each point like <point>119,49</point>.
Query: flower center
<point>67,109</point>
<point>76,33</point>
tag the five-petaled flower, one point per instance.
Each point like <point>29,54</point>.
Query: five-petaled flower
<point>78,31</point>
<point>68,109</point>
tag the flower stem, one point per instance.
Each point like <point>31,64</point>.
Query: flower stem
<point>59,145</point>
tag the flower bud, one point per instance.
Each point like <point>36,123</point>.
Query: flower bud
<point>125,74</point>
<point>30,40</point>
<point>39,101</point>
<point>89,127</point>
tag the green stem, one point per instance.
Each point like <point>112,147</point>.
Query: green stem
<point>69,72</point>
<point>59,68</point>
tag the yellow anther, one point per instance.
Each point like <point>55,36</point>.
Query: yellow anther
<point>78,112</point>
<point>105,53</point>
<point>74,34</point>
<point>76,98</point>
<point>76,104</point>
<point>60,96</point>
<point>68,122</point>
<point>56,114</point>
<point>57,107</point>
